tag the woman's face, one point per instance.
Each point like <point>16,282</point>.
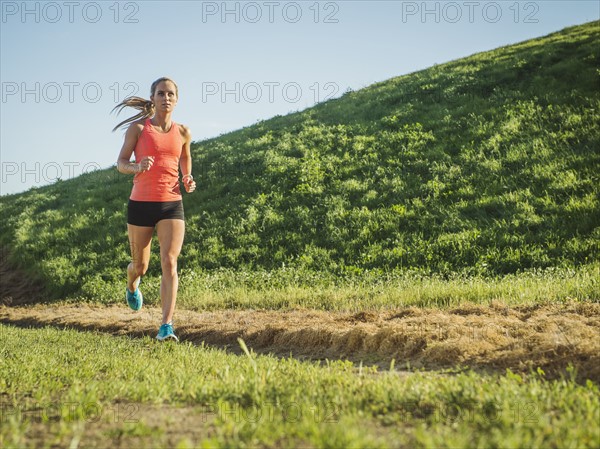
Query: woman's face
<point>165,97</point>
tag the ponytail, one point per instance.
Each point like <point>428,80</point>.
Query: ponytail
<point>146,108</point>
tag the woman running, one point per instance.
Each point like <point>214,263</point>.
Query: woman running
<point>161,148</point>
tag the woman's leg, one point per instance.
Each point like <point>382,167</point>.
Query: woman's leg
<point>170,237</point>
<point>140,238</point>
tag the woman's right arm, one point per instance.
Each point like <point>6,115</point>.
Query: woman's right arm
<point>124,164</point>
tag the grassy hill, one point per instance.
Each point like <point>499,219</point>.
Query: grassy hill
<point>483,166</point>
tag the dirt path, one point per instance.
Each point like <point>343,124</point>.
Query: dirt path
<point>480,337</point>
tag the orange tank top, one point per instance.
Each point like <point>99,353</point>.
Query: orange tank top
<point>161,182</point>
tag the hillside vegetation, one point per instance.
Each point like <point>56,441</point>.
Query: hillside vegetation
<point>481,167</point>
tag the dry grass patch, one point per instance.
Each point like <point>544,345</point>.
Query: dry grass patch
<point>492,337</point>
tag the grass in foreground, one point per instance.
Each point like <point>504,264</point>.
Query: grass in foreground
<point>62,387</point>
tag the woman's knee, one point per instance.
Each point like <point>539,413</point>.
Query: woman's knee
<point>169,264</point>
<point>140,268</point>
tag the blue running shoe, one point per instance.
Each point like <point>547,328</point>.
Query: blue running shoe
<point>135,299</point>
<point>165,332</point>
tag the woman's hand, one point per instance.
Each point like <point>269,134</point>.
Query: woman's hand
<point>189,183</point>
<point>145,164</point>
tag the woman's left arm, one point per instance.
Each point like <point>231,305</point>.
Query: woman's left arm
<point>185,161</point>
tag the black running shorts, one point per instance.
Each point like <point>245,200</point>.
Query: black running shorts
<point>148,213</point>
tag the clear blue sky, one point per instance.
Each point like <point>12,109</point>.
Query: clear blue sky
<point>64,65</point>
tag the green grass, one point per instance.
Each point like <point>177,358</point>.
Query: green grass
<point>472,181</point>
<point>374,290</point>
<point>481,167</point>
<point>59,386</point>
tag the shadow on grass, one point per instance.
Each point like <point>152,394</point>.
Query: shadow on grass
<point>466,338</point>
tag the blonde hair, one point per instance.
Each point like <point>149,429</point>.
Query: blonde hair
<point>146,107</point>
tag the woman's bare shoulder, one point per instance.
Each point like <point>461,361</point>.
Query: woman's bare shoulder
<point>139,123</point>
<point>136,127</point>
<point>185,131</point>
